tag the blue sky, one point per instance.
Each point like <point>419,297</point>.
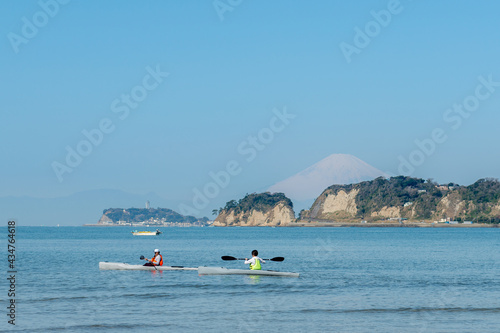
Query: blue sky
<point>225,78</point>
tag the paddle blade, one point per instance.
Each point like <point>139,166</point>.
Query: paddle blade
<point>228,258</point>
<point>277,259</point>
<point>142,257</point>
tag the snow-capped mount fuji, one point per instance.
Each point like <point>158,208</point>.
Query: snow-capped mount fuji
<point>336,169</point>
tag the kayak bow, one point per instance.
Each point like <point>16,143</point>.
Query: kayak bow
<point>104,265</point>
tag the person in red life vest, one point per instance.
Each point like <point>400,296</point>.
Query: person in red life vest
<point>255,261</point>
<point>157,260</point>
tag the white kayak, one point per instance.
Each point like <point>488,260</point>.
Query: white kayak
<point>203,270</point>
<point>104,265</point>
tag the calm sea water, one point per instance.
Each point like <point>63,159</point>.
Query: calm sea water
<point>352,280</point>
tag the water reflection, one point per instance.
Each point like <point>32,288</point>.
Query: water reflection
<point>254,279</point>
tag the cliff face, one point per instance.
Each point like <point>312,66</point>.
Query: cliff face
<point>453,205</point>
<point>105,220</point>
<point>333,204</point>
<point>280,215</point>
<point>263,209</point>
<point>411,198</point>
<point>387,212</point>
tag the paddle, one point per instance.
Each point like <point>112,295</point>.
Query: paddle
<point>233,258</point>
<point>142,258</point>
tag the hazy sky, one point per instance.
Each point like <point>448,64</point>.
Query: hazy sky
<point>162,96</point>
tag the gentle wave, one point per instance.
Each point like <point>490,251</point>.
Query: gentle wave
<point>402,310</point>
<point>98,327</point>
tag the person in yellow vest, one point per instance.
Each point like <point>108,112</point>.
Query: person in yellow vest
<point>255,261</point>
<point>157,260</point>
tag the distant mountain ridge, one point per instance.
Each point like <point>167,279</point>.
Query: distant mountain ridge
<point>76,209</point>
<point>334,169</point>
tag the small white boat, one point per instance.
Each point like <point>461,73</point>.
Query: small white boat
<point>203,270</point>
<point>146,233</point>
<point>104,265</point>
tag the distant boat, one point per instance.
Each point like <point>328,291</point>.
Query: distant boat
<point>146,233</point>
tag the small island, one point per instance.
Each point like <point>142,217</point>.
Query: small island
<point>149,217</point>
